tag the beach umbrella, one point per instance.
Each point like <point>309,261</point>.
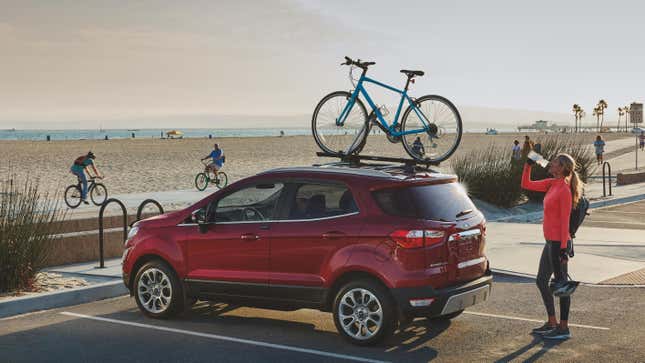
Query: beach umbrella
<point>174,133</point>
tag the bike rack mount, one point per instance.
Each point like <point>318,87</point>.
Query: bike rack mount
<point>354,160</point>
<point>604,190</point>
<point>125,221</point>
<point>143,205</point>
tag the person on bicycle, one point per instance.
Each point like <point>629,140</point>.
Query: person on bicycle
<point>79,168</point>
<point>417,147</point>
<point>217,156</point>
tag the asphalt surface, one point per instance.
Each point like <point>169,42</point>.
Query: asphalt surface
<point>210,332</point>
<point>625,216</point>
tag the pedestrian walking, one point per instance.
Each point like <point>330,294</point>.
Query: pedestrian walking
<point>641,140</point>
<point>517,151</point>
<point>599,145</point>
<point>563,193</point>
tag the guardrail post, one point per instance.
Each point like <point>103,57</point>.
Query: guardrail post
<point>143,205</point>
<point>604,188</point>
<point>125,226</point>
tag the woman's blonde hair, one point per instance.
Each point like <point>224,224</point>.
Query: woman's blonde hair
<point>569,170</point>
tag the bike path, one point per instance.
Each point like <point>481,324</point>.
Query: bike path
<point>600,253</point>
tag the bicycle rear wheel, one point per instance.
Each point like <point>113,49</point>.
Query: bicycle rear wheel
<point>201,181</point>
<point>222,180</point>
<point>73,196</point>
<point>98,194</point>
<point>334,138</point>
<point>437,140</point>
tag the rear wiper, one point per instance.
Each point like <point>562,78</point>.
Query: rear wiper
<point>463,213</point>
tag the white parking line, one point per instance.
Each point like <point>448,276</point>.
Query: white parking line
<point>531,320</point>
<point>225,338</point>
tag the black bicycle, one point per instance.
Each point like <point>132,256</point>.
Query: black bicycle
<point>98,193</point>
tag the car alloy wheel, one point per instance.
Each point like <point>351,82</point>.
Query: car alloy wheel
<point>154,291</point>
<point>360,314</point>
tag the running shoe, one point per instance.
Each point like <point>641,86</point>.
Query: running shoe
<point>557,334</point>
<point>546,328</point>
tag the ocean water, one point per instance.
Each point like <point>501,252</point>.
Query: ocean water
<point>97,134</point>
<point>141,133</point>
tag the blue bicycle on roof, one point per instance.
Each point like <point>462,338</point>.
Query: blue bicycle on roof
<point>430,128</point>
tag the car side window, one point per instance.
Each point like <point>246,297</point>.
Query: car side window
<point>254,203</point>
<point>313,201</point>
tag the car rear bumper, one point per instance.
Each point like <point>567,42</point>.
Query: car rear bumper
<point>444,301</point>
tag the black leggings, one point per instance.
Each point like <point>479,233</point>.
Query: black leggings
<point>550,264</point>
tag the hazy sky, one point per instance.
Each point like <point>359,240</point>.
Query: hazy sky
<point>75,60</point>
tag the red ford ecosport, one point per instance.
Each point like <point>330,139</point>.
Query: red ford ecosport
<point>374,245</point>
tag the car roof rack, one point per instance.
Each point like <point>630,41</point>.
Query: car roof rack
<point>354,160</point>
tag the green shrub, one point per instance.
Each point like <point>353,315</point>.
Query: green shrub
<point>27,218</point>
<point>490,175</point>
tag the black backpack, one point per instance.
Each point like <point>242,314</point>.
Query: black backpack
<point>578,215</point>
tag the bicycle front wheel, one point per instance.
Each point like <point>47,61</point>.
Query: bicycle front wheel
<point>435,129</point>
<point>73,196</point>
<point>336,138</point>
<point>98,194</point>
<point>222,180</point>
<point>201,181</point>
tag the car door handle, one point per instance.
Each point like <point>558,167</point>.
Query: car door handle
<point>249,237</point>
<point>333,235</point>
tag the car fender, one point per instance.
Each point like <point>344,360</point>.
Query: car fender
<point>166,249</point>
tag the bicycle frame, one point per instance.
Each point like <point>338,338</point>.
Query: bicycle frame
<point>390,128</point>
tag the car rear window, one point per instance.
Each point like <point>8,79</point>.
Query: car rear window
<point>440,202</point>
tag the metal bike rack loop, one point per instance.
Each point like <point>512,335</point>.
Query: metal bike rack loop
<point>145,203</point>
<point>125,226</point>
<point>604,191</point>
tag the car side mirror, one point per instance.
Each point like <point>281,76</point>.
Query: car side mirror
<point>199,216</point>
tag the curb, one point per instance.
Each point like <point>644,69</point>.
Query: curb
<point>57,299</point>
<point>509,273</point>
<point>535,216</point>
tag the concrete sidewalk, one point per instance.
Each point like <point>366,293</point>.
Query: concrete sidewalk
<point>103,284</point>
<point>169,200</point>
<point>601,253</point>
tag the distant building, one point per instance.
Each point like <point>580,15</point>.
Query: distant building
<point>542,125</point>
<point>636,113</point>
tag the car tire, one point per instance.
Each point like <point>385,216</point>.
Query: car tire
<point>446,317</point>
<point>158,291</point>
<point>364,312</point>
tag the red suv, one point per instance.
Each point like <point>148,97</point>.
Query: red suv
<point>374,245</point>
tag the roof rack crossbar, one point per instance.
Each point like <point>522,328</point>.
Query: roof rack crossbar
<point>352,159</point>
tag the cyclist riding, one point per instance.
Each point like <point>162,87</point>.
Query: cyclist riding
<point>80,167</point>
<point>217,156</point>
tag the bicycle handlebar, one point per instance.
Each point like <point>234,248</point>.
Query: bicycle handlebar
<point>357,63</point>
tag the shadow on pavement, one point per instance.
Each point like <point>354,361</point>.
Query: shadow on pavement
<point>546,346</point>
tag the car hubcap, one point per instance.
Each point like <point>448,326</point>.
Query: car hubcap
<point>360,314</point>
<point>155,290</point>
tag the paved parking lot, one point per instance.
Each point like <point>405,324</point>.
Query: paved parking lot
<point>626,216</point>
<point>609,328</point>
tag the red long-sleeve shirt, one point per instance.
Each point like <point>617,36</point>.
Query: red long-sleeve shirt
<point>557,205</point>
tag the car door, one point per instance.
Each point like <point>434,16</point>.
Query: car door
<point>320,219</point>
<point>232,257</point>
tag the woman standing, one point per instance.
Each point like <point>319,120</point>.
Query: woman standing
<point>563,192</point>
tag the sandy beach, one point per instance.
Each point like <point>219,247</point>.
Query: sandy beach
<point>145,165</point>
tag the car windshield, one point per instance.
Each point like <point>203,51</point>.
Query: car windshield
<point>440,202</point>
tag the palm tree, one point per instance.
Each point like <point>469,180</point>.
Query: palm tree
<point>602,105</point>
<point>627,109</point>
<point>596,112</point>
<point>576,110</point>
<point>621,112</point>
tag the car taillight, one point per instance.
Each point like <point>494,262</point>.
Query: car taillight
<point>415,238</point>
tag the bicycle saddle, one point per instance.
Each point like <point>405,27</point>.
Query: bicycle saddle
<point>412,73</point>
